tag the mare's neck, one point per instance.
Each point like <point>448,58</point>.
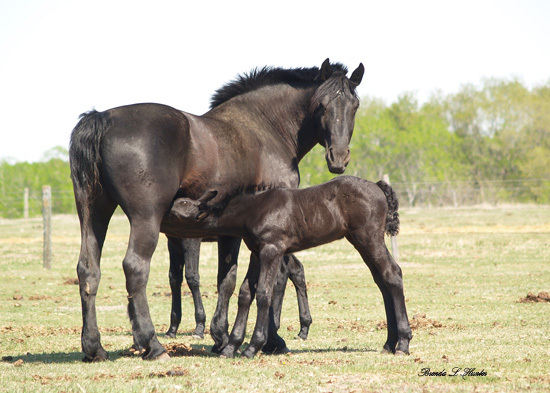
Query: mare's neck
<point>283,110</point>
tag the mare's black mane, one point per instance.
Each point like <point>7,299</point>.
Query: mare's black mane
<point>267,76</point>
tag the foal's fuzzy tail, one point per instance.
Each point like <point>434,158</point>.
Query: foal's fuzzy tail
<point>84,155</point>
<point>392,220</point>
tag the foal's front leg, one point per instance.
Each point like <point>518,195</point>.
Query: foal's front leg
<point>228,253</point>
<point>246,296</point>
<point>270,259</point>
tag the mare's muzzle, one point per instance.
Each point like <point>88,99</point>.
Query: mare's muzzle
<point>337,158</point>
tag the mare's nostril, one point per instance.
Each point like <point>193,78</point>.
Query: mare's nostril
<point>331,154</point>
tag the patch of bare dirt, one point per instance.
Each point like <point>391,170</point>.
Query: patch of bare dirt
<point>176,372</point>
<point>174,349</point>
<point>418,321</point>
<point>185,349</point>
<point>70,281</point>
<point>542,297</point>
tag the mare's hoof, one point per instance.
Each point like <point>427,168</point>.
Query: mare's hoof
<point>302,336</point>
<point>100,356</point>
<point>96,359</point>
<point>170,334</point>
<point>385,351</point>
<point>163,357</point>
<point>401,353</point>
<point>198,336</point>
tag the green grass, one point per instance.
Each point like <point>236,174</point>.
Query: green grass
<point>465,269</point>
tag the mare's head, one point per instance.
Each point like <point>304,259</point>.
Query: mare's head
<point>334,104</point>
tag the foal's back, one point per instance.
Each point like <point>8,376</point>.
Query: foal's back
<point>320,214</point>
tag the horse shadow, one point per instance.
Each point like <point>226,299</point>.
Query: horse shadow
<point>176,349</point>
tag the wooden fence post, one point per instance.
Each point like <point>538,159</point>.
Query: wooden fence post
<point>47,214</point>
<point>26,203</point>
<point>394,247</point>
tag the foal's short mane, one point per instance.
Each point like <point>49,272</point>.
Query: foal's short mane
<point>268,76</point>
<point>219,207</point>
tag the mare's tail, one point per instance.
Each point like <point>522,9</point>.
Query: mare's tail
<point>392,220</point>
<point>84,155</point>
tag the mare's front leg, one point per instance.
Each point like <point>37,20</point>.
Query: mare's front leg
<point>270,259</point>
<point>246,296</point>
<point>228,253</point>
<point>184,253</point>
<point>388,276</point>
<point>144,235</point>
<point>94,219</point>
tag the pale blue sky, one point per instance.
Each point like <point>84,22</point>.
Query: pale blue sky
<point>60,58</point>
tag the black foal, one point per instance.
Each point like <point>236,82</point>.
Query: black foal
<point>283,220</point>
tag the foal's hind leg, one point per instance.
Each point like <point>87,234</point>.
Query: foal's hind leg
<point>185,253</point>
<point>94,220</point>
<point>298,278</point>
<point>387,275</point>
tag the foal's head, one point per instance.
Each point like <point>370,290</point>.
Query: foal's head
<point>187,210</point>
<point>334,105</point>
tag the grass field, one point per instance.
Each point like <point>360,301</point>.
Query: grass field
<point>465,271</point>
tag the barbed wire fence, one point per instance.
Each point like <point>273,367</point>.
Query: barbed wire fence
<point>471,193</point>
<point>25,202</point>
<point>19,202</point>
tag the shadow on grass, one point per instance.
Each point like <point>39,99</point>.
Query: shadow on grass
<point>329,350</point>
<point>174,349</point>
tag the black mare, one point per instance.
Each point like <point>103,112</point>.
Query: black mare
<point>280,221</point>
<point>141,157</point>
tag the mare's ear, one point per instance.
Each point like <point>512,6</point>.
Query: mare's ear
<point>326,70</point>
<point>357,75</point>
<point>207,196</point>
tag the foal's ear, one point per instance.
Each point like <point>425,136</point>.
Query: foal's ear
<point>202,215</point>
<point>207,196</point>
<point>357,75</point>
<point>326,70</point>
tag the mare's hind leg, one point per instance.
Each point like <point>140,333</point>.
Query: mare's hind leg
<point>94,220</point>
<point>144,235</point>
<point>185,253</point>
<point>228,252</point>
<point>387,275</point>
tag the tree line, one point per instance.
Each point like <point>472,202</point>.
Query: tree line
<point>484,143</point>
<point>487,143</point>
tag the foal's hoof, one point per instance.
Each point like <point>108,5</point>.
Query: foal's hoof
<point>198,336</point>
<point>170,335</point>
<point>227,353</point>
<point>401,353</point>
<point>248,353</point>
